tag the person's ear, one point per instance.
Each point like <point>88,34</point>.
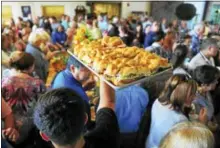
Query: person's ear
<point>86,119</point>
<point>44,137</point>
<point>72,68</point>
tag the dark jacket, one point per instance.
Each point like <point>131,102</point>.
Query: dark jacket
<point>113,31</point>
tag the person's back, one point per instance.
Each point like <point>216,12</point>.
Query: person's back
<point>113,31</point>
<point>148,41</point>
<point>65,79</point>
<point>131,104</point>
<point>163,120</point>
<point>21,91</point>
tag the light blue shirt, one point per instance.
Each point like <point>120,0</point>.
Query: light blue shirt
<point>103,25</point>
<point>41,64</point>
<point>162,120</point>
<point>131,103</point>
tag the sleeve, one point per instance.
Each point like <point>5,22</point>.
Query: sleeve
<point>197,105</point>
<point>194,46</point>
<point>6,110</point>
<point>148,41</point>
<point>53,37</point>
<point>106,131</point>
<point>65,37</point>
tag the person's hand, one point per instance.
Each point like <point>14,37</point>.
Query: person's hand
<point>203,116</point>
<point>11,133</point>
<point>107,96</point>
<point>89,84</point>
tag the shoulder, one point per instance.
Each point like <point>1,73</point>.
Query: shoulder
<point>106,131</point>
<point>7,80</point>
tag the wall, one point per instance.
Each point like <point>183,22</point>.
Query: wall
<point>164,9</point>
<point>69,7</point>
<point>134,6</point>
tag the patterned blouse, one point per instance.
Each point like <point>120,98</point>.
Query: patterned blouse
<point>21,93</point>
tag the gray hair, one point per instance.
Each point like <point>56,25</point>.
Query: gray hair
<point>188,134</point>
<point>199,26</point>
<point>209,42</point>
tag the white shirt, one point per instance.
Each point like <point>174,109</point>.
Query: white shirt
<point>200,60</point>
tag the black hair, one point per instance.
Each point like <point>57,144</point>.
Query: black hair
<point>179,55</point>
<point>74,62</point>
<point>159,36</point>
<point>205,74</point>
<point>22,61</point>
<point>61,27</point>
<point>31,23</point>
<point>60,115</point>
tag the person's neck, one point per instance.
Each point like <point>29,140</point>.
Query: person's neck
<point>79,144</point>
<point>206,54</point>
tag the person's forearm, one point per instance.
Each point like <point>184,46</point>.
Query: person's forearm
<point>9,121</point>
<point>107,96</point>
<point>60,46</point>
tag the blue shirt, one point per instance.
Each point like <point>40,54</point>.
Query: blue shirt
<point>103,25</point>
<point>66,79</point>
<point>41,64</point>
<point>204,102</point>
<point>195,44</point>
<point>131,103</point>
<point>162,120</point>
<point>55,26</point>
<point>148,40</point>
<point>65,24</point>
<point>59,37</point>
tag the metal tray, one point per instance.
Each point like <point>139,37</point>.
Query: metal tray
<point>125,85</point>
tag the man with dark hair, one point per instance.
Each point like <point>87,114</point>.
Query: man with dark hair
<point>60,116</point>
<point>157,46</point>
<point>209,49</point>
<point>73,77</point>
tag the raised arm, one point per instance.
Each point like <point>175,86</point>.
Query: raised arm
<point>107,96</point>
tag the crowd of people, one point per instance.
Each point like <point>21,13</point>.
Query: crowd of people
<point>182,112</point>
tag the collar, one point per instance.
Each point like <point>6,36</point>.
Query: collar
<point>35,47</point>
<point>205,58</point>
<point>155,44</point>
<point>69,76</point>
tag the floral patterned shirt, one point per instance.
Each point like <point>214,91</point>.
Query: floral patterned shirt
<point>21,93</point>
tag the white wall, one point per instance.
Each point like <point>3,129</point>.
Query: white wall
<point>134,6</point>
<point>200,8</point>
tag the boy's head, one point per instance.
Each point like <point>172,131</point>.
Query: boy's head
<point>60,116</point>
<point>159,37</point>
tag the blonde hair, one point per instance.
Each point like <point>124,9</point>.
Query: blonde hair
<point>37,36</point>
<point>188,135</point>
